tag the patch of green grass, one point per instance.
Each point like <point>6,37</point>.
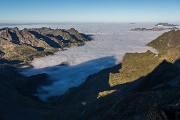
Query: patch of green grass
<point>134,66</point>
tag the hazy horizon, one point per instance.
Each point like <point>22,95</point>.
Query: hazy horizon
<point>81,11</point>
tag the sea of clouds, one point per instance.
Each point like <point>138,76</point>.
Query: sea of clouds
<point>110,43</point>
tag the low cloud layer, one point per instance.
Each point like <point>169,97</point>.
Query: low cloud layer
<point>111,42</point>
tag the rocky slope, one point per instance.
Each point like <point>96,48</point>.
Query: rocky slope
<point>17,92</point>
<point>16,100</point>
<point>144,86</point>
<point>130,90</point>
<point>26,44</point>
<point>168,40</point>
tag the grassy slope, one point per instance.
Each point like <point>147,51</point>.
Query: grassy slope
<point>152,78</point>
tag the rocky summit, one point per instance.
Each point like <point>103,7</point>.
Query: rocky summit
<point>26,44</point>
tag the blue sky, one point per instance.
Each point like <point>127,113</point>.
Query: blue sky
<point>56,11</point>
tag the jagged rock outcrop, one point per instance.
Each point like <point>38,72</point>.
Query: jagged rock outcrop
<point>26,44</point>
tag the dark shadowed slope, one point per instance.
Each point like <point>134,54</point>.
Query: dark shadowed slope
<point>128,92</point>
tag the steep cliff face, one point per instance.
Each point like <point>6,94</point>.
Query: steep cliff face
<point>26,44</point>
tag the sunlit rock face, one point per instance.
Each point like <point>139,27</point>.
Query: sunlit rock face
<point>26,44</point>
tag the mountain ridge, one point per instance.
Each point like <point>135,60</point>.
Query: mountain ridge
<point>130,92</point>
<point>142,86</point>
<point>26,44</point>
